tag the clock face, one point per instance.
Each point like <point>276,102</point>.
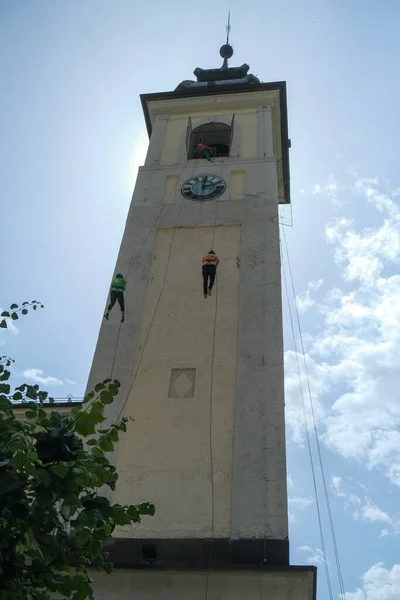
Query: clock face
<point>203,187</point>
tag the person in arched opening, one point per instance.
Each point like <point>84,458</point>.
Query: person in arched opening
<point>202,151</point>
<point>210,263</point>
<point>118,286</point>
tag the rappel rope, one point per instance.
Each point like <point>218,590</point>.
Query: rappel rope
<point>144,243</point>
<point>130,268</point>
<point>157,305</point>
<point>211,405</point>
<point>321,532</point>
<point>325,487</point>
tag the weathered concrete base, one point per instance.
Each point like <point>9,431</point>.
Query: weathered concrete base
<point>290,583</point>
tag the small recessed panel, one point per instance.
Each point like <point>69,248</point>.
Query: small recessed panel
<point>182,383</point>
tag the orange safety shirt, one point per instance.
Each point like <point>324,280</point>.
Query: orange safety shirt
<point>210,259</point>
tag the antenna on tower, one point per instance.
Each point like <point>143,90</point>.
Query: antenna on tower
<point>228,27</point>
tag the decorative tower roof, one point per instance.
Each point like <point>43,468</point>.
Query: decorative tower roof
<point>222,77</point>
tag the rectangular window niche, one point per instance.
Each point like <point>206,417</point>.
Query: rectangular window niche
<point>182,383</point>
<point>237,185</point>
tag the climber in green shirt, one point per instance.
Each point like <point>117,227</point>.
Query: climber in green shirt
<point>118,286</point>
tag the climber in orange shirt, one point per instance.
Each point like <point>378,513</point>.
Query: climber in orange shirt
<point>210,263</point>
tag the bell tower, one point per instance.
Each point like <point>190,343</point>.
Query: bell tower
<point>203,377</point>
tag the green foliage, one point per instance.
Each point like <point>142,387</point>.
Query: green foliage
<point>13,316</point>
<point>53,521</point>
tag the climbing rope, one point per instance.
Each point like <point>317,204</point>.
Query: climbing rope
<point>321,532</point>
<point>157,304</point>
<point>131,267</point>
<point>143,245</point>
<point>325,487</point>
<point>158,301</point>
<point>211,406</point>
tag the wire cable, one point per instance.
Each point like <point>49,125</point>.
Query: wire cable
<point>325,487</point>
<point>321,532</point>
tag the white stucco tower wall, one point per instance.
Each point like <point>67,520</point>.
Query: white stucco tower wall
<point>203,378</point>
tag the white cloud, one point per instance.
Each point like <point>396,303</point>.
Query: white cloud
<point>363,254</point>
<point>300,502</point>
<point>297,503</point>
<point>353,361</point>
<point>70,382</point>
<point>370,512</point>
<point>37,376</point>
<point>290,486</point>
<point>318,376</point>
<point>330,189</point>
<point>363,421</point>
<point>337,483</point>
<point>378,584</point>
<point>315,555</point>
<point>316,284</point>
<point>305,300</point>
<point>362,507</point>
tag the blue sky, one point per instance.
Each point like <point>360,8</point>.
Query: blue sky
<point>72,136</point>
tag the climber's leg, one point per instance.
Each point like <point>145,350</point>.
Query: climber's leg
<point>212,273</point>
<point>121,302</point>
<point>205,280</point>
<point>113,299</point>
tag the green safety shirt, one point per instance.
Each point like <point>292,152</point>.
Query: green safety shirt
<point>117,285</point>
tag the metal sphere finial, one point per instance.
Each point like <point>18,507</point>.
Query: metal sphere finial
<point>226,51</point>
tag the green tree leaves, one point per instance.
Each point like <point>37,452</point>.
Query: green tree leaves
<point>51,512</point>
<point>30,414</point>
<point>106,397</point>
<point>50,508</point>
<point>4,402</point>
<point>14,316</point>
<point>60,469</point>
